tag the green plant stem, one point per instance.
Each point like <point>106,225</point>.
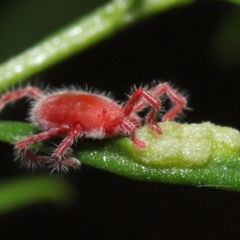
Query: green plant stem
<point>83,33</point>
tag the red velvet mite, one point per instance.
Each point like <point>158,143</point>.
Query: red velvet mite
<point>74,114</point>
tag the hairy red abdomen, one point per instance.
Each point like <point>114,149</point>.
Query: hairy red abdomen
<point>89,110</point>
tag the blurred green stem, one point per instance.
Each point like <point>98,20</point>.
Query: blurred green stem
<point>98,25</point>
<point>19,192</point>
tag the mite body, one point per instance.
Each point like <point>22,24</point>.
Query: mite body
<point>74,114</point>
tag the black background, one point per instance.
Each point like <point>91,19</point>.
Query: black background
<point>174,46</point>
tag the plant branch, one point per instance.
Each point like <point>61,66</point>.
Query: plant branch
<point>193,154</point>
<point>83,33</point>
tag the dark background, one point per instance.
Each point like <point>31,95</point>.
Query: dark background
<point>176,46</point>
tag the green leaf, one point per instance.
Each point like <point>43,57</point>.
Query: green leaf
<point>194,154</point>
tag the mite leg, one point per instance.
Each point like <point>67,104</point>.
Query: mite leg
<point>130,124</point>
<point>60,164</point>
<point>8,97</point>
<point>179,100</point>
<point>131,129</point>
<point>142,98</point>
<point>138,96</point>
<point>139,100</point>
<point>125,127</point>
<point>22,146</point>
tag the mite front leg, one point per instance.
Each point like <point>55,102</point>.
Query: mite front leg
<point>141,99</point>
<point>138,96</point>
<point>125,127</point>
<point>178,99</point>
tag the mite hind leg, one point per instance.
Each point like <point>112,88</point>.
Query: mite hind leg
<point>12,96</point>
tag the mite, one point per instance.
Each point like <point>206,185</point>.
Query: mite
<point>73,114</point>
